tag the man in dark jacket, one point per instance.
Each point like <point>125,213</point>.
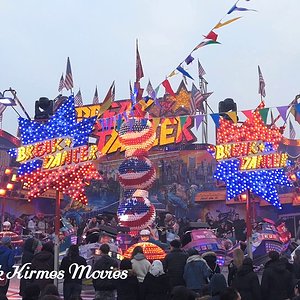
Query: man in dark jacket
<point>246,281</point>
<point>277,283</point>
<point>174,264</point>
<point>7,260</point>
<point>105,288</point>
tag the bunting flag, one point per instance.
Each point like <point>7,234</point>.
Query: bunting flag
<point>78,99</point>
<point>108,100</point>
<point>173,73</point>
<point>294,111</point>
<point>189,59</point>
<point>168,87</point>
<point>282,111</point>
<point>248,113</point>
<point>297,107</point>
<point>157,90</point>
<point>150,90</point>
<point>233,116</point>
<point>139,67</point>
<point>264,114</point>
<point>205,43</point>
<point>292,131</point>
<point>61,83</point>
<point>201,71</point>
<point>69,77</point>
<point>219,25</point>
<point>182,120</point>
<point>184,72</point>
<point>261,84</point>
<point>211,36</point>
<point>96,98</point>
<point>132,95</point>
<point>216,119</point>
<point>235,8</point>
<point>198,120</point>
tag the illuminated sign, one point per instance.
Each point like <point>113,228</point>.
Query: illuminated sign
<point>57,153</point>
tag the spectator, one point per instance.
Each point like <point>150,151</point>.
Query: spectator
<point>31,246</point>
<point>230,294</point>
<point>31,292</point>
<point>31,226</point>
<point>7,260</point>
<point>180,292</point>
<point>211,259</point>
<point>50,289</point>
<point>276,280</point>
<point>239,228</point>
<point>174,264</point>
<point>105,288</point>
<point>156,283</point>
<point>246,281</point>
<point>127,289</point>
<point>296,264</point>
<point>297,291</point>
<point>217,285</point>
<point>72,286</point>
<point>238,258</point>
<point>140,265</point>
<point>196,272</point>
<point>44,260</point>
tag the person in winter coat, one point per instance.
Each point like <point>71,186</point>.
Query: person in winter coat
<point>43,260</point>
<point>31,247</point>
<point>297,291</point>
<point>156,283</point>
<point>7,260</point>
<point>246,281</point>
<point>277,281</point>
<point>174,264</point>
<point>180,292</point>
<point>296,264</point>
<point>238,258</point>
<point>127,289</point>
<point>105,288</point>
<point>140,265</point>
<point>196,272</point>
<point>211,259</point>
<point>72,286</point>
<point>217,285</point>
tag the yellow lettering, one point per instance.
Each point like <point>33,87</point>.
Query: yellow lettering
<point>165,131</point>
<point>93,152</point>
<point>21,154</point>
<point>220,152</point>
<point>56,162</point>
<point>56,145</point>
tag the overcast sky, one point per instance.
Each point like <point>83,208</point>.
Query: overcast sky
<point>99,36</point>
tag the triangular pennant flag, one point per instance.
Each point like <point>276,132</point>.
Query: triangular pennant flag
<point>219,25</point>
<point>198,119</point>
<point>173,73</point>
<point>232,115</point>
<point>216,119</point>
<point>235,8</point>
<point>155,123</point>
<point>168,88</point>
<point>282,111</point>
<point>248,113</point>
<point>189,59</point>
<point>297,107</point>
<point>211,36</point>
<point>205,43</point>
<point>184,72</point>
<point>264,114</point>
<point>182,120</point>
<point>156,90</point>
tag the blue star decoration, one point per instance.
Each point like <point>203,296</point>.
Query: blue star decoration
<point>62,124</point>
<point>260,182</point>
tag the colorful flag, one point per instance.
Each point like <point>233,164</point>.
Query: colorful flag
<point>201,71</point>
<point>292,131</point>
<point>96,98</point>
<point>69,78</point>
<point>184,72</point>
<point>189,59</point>
<point>78,99</point>
<point>2,109</point>
<point>168,87</point>
<point>198,119</point>
<point>261,86</point>
<point>282,111</point>
<point>132,95</point>
<point>235,8</point>
<point>108,100</point>
<point>211,36</point>
<point>216,119</point>
<point>150,90</point>
<point>205,43</point>
<point>61,83</point>
<point>139,67</point>
<point>219,25</point>
<point>196,100</point>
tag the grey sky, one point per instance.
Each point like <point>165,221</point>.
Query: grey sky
<point>99,36</point>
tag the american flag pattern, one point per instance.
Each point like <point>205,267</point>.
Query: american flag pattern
<point>78,99</point>
<point>261,84</point>
<point>69,78</point>
<point>201,71</point>
<point>2,109</point>
<point>197,99</point>
<point>61,83</point>
<point>292,131</point>
<point>96,98</point>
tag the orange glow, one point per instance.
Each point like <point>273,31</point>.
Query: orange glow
<point>244,197</point>
<point>151,251</point>
<point>2,192</point>
<point>8,171</point>
<point>9,186</point>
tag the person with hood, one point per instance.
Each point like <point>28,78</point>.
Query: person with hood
<point>72,286</point>
<point>174,264</point>
<point>246,281</point>
<point>217,285</point>
<point>156,283</point>
<point>196,271</point>
<point>211,259</point>
<point>105,288</point>
<point>127,289</point>
<point>31,247</point>
<point>43,261</point>
<point>277,283</point>
<point>140,265</point>
<point>7,260</point>
<point>238,258</point>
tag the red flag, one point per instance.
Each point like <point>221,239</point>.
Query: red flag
<point>212,36</point>
<point>139,67</point>
<point>168,87</point>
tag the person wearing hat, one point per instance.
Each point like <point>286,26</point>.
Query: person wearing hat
<point>7,260</point>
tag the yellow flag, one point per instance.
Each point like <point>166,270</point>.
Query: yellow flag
<point>172,74</point>
<point>219,25</point>
<point>233,116</point>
